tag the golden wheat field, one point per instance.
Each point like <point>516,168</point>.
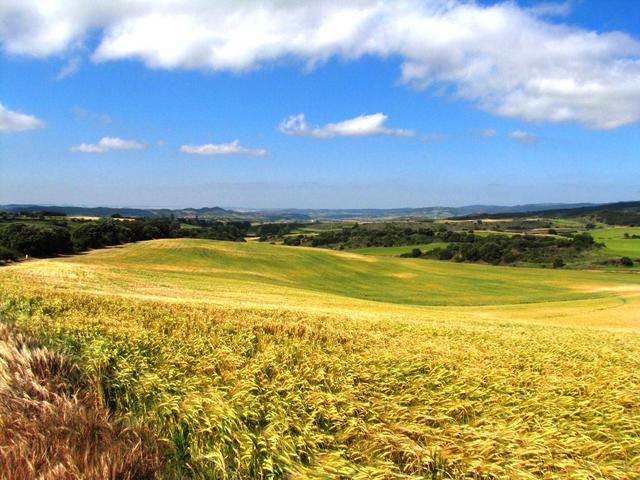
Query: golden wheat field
<point>249,360</point>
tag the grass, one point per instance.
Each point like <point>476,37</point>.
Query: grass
<point>189,226</point>
<point>396,251</point>
<point>323,226</point>
<point>262,361</point>
<point>567,223</point>
<point>203,269</point>
<point>616,244</point>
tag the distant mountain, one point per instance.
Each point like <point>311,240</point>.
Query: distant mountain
<point>297,214</point>
<point>125,211</point>
<point>424,212</point>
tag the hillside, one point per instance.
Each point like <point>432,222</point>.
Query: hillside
<point>264,361</point>
<point>620,213</point>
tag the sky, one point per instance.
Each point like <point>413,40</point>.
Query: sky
<point>319,104</point>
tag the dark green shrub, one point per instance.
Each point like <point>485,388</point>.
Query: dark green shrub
<point>626,262</point>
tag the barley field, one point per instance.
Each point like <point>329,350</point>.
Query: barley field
<point>249,360</point>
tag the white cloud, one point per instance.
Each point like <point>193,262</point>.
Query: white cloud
<point>84,114</point>
<point>552,9</point>
<point>11,121</point>
<point>484,132</point>
<point>506,59</point>
<point>69,68</point>
<point>488,133</point>
<point>108,144</point>
<point>364,125</point>
<point>525,137</point>
<point>231,148</point>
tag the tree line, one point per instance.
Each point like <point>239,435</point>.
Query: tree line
<point>56,237</point>
<point>511,249</point>
<point>360,236</point>
<point>462,246</point>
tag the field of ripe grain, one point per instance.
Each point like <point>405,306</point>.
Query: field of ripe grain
<point>263,361</point>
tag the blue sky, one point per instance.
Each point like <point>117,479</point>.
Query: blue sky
<point>480,102</point>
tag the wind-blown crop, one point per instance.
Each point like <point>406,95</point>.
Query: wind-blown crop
<point>358,390</point>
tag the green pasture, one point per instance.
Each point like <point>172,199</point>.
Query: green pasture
<point>396,251</point>
<point>616,243</point>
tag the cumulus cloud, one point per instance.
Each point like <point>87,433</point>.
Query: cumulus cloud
<point>364,125</point>
<point>108,144</point>
<point>231,148</point>
<point>11,121</point>
<point>506,59</point>
<point>525,137</point>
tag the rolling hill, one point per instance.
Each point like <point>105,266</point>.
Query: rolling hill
<point>250,360</point>
<point>620,213</point>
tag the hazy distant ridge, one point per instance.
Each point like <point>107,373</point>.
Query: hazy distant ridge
<point>297,213</point>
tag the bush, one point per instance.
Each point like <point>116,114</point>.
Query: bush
<point>583,240</point>
<point>510,257</point>
<point>445,254</point>
<point>6,254</point>
<point>626,262</point>
<point>558,263</point>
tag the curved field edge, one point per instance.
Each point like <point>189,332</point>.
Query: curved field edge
<point>354,389</point>
<point>53,426</point>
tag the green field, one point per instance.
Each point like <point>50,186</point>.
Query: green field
<point>208,268</point>
<point>396,251</point>
<point>251,360</point>
<point>616,244</point>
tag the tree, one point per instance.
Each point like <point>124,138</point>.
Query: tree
<point>583,240</point>
<point>35,240</point>
<point>491,252</point>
